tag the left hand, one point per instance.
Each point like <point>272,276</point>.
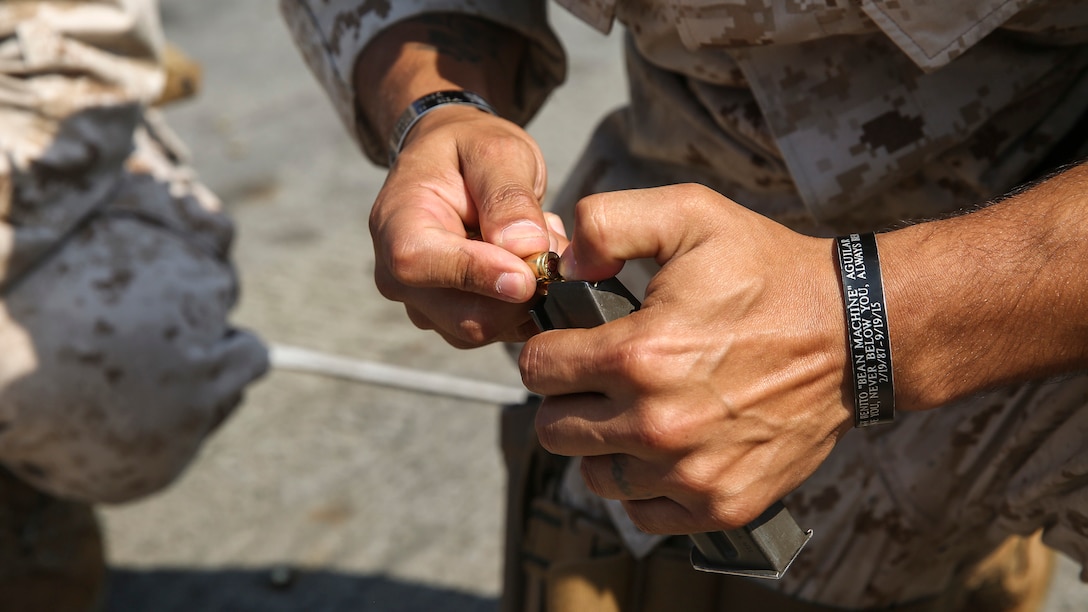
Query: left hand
<point>726,390</point>
<point>462,170</point>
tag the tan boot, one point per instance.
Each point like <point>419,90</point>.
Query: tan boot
<point>1014,578</point>
<point>51,555</point>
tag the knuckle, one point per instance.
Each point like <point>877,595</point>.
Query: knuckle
<point>545,432</point>
<point>474,331</point>
<point>650,359</point>
<point>420,320</point>
<point>628,359</point>
<point>688,194</point>
<point>529,363</point>
<point>693,477</point>
<point>643,520</point>
<point>504,147</point>
<point>591,216</point>
<point>403,257</point>
<point>506,197</point>
<point>732,512</point>
<point>375,219</point>
<point>652,431</point>
<point>457,343</point>
<point>639,363</point>
<point>590,470</point>
<point>386,286</point>
<point>547,439</point>
<point>462,323</point>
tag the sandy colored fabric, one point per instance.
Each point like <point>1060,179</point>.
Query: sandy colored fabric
<point>829,117</point>
<point>114,271</point>
<point>869,111</point>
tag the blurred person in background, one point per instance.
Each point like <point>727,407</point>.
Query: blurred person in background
<point>118,360</point>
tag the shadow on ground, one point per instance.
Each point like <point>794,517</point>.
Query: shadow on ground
<point>279,590</point>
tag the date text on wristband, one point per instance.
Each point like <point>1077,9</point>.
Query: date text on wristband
<point>867,330</point>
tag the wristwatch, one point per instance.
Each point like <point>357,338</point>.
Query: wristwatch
<point>426,104</point>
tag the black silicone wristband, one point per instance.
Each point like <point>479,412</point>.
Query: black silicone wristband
<point>426,104</point>
<point>867,330</point>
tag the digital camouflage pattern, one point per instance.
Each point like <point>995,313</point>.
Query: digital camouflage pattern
<point>831,116</point>
<point>880,124</point>
<point>118,360</point>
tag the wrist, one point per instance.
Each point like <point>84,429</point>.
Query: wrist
<point>819,301</point>
<point>986,299</point>
<point>423,56</point>
<point>406,81</point>
<point>867,328</point>
<point>430,104</point>
<point>908,267</point>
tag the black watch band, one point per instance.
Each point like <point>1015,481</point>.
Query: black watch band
<point>426,104</point>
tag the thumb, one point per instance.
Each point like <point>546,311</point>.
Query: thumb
<point>505,178</point>
<point>659,223</point>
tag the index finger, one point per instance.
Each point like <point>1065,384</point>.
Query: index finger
<point>426,254</point>
<point>614,227</point>
<point>568,361</point>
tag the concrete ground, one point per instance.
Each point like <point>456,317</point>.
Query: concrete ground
<point>323,493</point>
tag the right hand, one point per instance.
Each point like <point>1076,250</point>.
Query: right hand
<point>458,212</point>
<point>730,385</point>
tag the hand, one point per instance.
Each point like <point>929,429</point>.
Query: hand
<point>726,390</point>
<point>463,172</point>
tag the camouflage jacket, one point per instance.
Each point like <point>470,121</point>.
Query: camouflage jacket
<point>848,104</point>
<point>74,80</point>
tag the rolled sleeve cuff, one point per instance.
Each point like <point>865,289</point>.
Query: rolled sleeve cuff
<point>332,33</point>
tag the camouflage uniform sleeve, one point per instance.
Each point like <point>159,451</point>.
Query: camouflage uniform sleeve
<point>115,277</point>
<point>332,33</point>
<point>74,74</point>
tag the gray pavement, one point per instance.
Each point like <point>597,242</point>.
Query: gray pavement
<point>322,493</point>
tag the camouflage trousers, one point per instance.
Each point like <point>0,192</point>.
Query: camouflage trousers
<point>905,512</point>
<point>118,359</point>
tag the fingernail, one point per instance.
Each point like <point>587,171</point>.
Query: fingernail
<point>520,230</point>
<point>511,285</point>
<point>555,224</point>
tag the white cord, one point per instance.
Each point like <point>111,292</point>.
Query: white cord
<point>315,362</point>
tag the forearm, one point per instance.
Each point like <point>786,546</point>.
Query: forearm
<point>991,298</point>
<point>433,53</point>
